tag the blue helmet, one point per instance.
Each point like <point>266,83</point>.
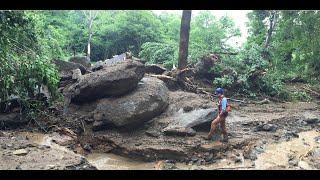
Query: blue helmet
<point>219,91</point>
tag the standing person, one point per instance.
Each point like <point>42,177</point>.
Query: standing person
<point>224,108</point>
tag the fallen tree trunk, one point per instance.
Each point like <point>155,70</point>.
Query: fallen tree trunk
<point>179,79</point>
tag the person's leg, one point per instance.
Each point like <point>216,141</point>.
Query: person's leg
<point>213,127</point>
<point>223,128</point>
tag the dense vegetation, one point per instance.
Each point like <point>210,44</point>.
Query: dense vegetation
<point>282,46</point>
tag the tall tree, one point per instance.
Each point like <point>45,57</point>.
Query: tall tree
<point>90,16</point>
<point>184,38</point>
<point>272,23</point>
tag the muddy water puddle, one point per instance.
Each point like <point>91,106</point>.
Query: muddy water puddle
<point>45,140</point>
<point>108,161</point>
<point>278,155</point>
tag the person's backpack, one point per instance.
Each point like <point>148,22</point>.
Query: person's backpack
<point>228,109</point>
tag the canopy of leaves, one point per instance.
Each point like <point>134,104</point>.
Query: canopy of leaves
<point>24,62</point>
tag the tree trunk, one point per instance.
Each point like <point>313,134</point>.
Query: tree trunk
<point>90,15</point>
<point>272,23</point>
<point>184,39</point>
<point>90,35</point>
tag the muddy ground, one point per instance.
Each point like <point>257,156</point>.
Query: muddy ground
<point>261,136</point>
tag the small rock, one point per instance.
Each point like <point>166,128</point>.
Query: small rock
<point>209,157</point>
<point>153,133</point>
<point>259,149</point>
<point>245,123</point>
<point>291,157</point>
<point>215,146</point>
<point>42,147</point>
<point>50,166</point>
<point>187,108</point>
<point>253,156</point>
<point>194,159</point>
<point>9,145</point>
<point>165,165</point>
<point>267,127</point>
<point>169,161</point>
<point>293,162</point>
<point>138,144</point>
<point>87,147</point>
<point>304,165</point>
<point>89,120</point>
<point>316,153</point>
<point>311,121</point>
<point>311,118</point>
<point>179,131</point>
<point>238,159</point>
<point>20,152</point>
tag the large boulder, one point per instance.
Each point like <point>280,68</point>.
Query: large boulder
<point>12,120</point>
<point>83,60</point>
<point>188,110</point>
<point>155,69</point>
<point>149,100</point>
<point>65,68</point>
<point>115,80</point>
<point>199,119</point>
<point>108,62</point>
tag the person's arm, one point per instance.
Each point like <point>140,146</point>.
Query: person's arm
<point>223,105</point>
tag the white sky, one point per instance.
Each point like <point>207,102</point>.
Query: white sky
<point>238,16</point>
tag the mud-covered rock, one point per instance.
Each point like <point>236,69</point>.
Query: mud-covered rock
<point>165,165</point>
<point>215,146</point>
<point>12,120</point>
<point>179,131</point>
<point>83,60</point>
<point>304,165</point>
<point>311,118</point>
<point>115,60</point>
<point>20,152</point>
<point>65,68</point>
<point>155,69</point>
<point>149,100</point>
<point>153,133</point>
<point>198,118</point>
<point>267,127</point>
<point>114,80</point>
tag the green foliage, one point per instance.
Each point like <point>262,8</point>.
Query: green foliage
<point>24,65</point>
<point>30,39</point>
<point>208,35</point>
<point>124,31</point>
<point>292,53</point>
<point>300,96</point>
<point>226,81</point>
<point>159,53</point>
